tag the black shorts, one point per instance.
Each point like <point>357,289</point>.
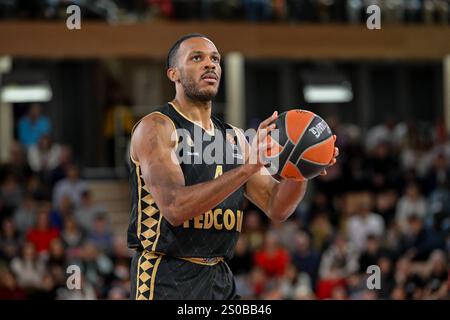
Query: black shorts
<point>160,277</point>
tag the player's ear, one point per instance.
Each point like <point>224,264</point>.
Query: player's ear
<point>173,74</point>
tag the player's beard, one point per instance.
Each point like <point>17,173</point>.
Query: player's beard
<point>193,92</point>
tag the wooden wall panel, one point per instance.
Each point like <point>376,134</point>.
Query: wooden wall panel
<point>151,40</point>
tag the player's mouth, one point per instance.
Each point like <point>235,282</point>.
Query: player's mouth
<point>210,77</point>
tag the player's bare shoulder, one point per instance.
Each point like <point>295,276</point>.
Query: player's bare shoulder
<point>153,132</point>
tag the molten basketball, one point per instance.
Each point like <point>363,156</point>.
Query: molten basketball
<point>304,145</point>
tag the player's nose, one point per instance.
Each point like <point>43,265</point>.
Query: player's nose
<point>209,64</point>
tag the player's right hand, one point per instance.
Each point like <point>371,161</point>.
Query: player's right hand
<point>260,145</point>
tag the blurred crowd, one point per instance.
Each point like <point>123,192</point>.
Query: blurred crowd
<point>386,203</point>
<point>50,221</point>
<point>307,11</point>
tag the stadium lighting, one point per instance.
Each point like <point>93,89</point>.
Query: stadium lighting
<point>328,93</point>
<point>26,93</point>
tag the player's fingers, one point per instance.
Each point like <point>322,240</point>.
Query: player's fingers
<point>336,152</point>
<point>268,146</point>
<point>333,161</point>
<point>263,147</point>
<point>264,132</point>
<point>266,122</point>
<point>324,173</point>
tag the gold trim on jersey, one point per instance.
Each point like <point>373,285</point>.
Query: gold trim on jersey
<point>146,274</point>
<point>139,186</point>
<point>198,123</point>
<point>148,221</point>
<point>205,261</point>
<point>158,232</point>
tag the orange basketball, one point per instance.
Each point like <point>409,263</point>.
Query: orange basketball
<point>304,145</point>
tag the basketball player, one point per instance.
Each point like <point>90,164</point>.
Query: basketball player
<point>186,217</point>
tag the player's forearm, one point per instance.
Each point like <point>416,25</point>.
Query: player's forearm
<point>187,202</point>
<point>285,198</point>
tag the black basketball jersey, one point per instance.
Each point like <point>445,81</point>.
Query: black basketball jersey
<point>203,156</point>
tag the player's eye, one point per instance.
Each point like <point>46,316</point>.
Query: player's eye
<point>215,59</point>
<point>196,58</point>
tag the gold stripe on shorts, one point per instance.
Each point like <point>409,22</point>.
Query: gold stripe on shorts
<point>146,274</point>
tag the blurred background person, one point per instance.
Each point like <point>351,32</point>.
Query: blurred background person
<point>33,126</point>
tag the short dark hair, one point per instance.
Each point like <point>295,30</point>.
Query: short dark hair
<point>174,48</point>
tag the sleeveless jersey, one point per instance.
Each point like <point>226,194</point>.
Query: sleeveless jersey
<point>203,156</point>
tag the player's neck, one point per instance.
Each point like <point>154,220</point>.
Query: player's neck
<point>196,111</point>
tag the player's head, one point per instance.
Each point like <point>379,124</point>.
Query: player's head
<point>193,64</point>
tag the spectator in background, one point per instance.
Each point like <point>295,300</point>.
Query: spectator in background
<point>44,156</point>
<point>58,215</point>
<point>439,173</point>
<point>411,203</point>
<point>339,292</point>
<point>285,232</point>
<point>117,293</point>
<point>305,258</point>
<point>257,10</point>
<point>101,234</point>
<point>371,254</point>
<point>95,265</point>
<point>354,10</point>
<point>35,187</point>
<point>382,167</point>
<point>407,278</point>
<point>302,10</point>
<point>9,289</point>
<point>9,241</point>
<point>29,267</point>
<point>419,241</point>
<point>25,215</point>
<point>355,285</point>
<point>387,275</point>
<point>33,126</point>
<point>253,229</point>
<point>43,233</point>
<point>72,186</point>
<point>87,211</point>
<point>273,259</point>
<point>72,237</point>
<point>439,209</point>
<point>258,282</point>
<point>436,276</point>
<point>386,132</point>
<point>295,285</point>
<point>57,255</point>
<point>385,205</point>
<point>321,231</point>
<point>363,224</point>
<point>160,8</point>
<point>279,10</point>
<point>47,289</point>
<point>321,203</point>
<point>17,164</point>
<point>11,192</point>
<point>65,161</point>
<point>339,261</point>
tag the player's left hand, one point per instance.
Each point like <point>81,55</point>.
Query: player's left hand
<point>333,160</point>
